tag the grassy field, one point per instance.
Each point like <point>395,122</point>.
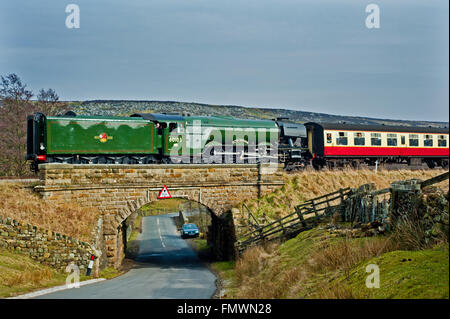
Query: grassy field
<point>317,265</point>
<point>309,184</point>
<point>162,206</point>
<point>23,205</point>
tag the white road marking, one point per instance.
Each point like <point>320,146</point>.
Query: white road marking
<point>160,236</point>
<point>55,289</point>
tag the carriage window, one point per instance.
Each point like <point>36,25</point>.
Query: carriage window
<point>342,138</point>
<point>392,139</point>
<point>403,138</point>
<point>428,141</point>
<point>172,127</point>
<point>413,140</point>
<point>375,139</point>
<point>180,128</point>
<point>442,141</point>
<point>359,139</point>
<point>159,127</point>
<point>329,139</point>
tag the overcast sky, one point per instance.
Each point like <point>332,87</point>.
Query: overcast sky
<point>312,55</point>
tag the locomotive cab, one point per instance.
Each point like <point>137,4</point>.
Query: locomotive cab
<point>170,131</point>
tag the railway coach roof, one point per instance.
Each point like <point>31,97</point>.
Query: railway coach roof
<point>380,128</point>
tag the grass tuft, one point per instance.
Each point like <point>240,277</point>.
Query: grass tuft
<point>23,205</point>
<point>20,274</point>
<point>317,265</point>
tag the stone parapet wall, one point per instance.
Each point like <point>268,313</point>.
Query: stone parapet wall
<point>99,174</point>
<point>116,187</point>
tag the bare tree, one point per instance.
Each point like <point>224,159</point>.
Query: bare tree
<point>15,106</point>
<point>49,104</point>
<point>12,88</point>
<point>48,96</point>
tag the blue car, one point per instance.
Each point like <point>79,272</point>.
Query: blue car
<point>189,230</point>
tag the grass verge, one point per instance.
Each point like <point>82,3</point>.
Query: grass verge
<point>109,273</point>
<point>200,245</point>
<point>317,265</point>
<point>133,242</point>
<point>20,274</point>
<point>420,274</point>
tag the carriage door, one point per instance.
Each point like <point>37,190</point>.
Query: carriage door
<point>402,144</point>
<point>310,140</point>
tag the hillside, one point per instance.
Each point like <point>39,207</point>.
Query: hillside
<point>330,260</point>
<point>301,186</point>
<point>317,265</point>
<point>117,107</point>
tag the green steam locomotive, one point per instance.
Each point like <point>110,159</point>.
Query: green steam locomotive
<point>151,138</point>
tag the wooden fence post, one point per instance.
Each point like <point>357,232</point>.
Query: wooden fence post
<point>404,200</point>
<point>300,216</point>
<point>314,208</point>
<point>341,192</point>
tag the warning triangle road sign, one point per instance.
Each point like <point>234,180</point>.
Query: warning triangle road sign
<point>164,193</point>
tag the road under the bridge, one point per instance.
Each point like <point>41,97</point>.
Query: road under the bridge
<point>166,267</point>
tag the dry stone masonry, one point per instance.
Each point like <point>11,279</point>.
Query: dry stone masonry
<point>118,190</point>
<point>45,246</point>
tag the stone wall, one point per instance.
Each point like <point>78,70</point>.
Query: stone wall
<point>45,246</point>
<point>118,190</point>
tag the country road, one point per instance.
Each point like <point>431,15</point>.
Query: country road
<point>166,267</point>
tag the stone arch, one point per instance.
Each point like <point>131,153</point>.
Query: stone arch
<point>132,205</point>
<point>114,237</point>
<point>119,190</point>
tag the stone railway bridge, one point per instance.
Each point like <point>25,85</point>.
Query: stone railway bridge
<point>119,190</point>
